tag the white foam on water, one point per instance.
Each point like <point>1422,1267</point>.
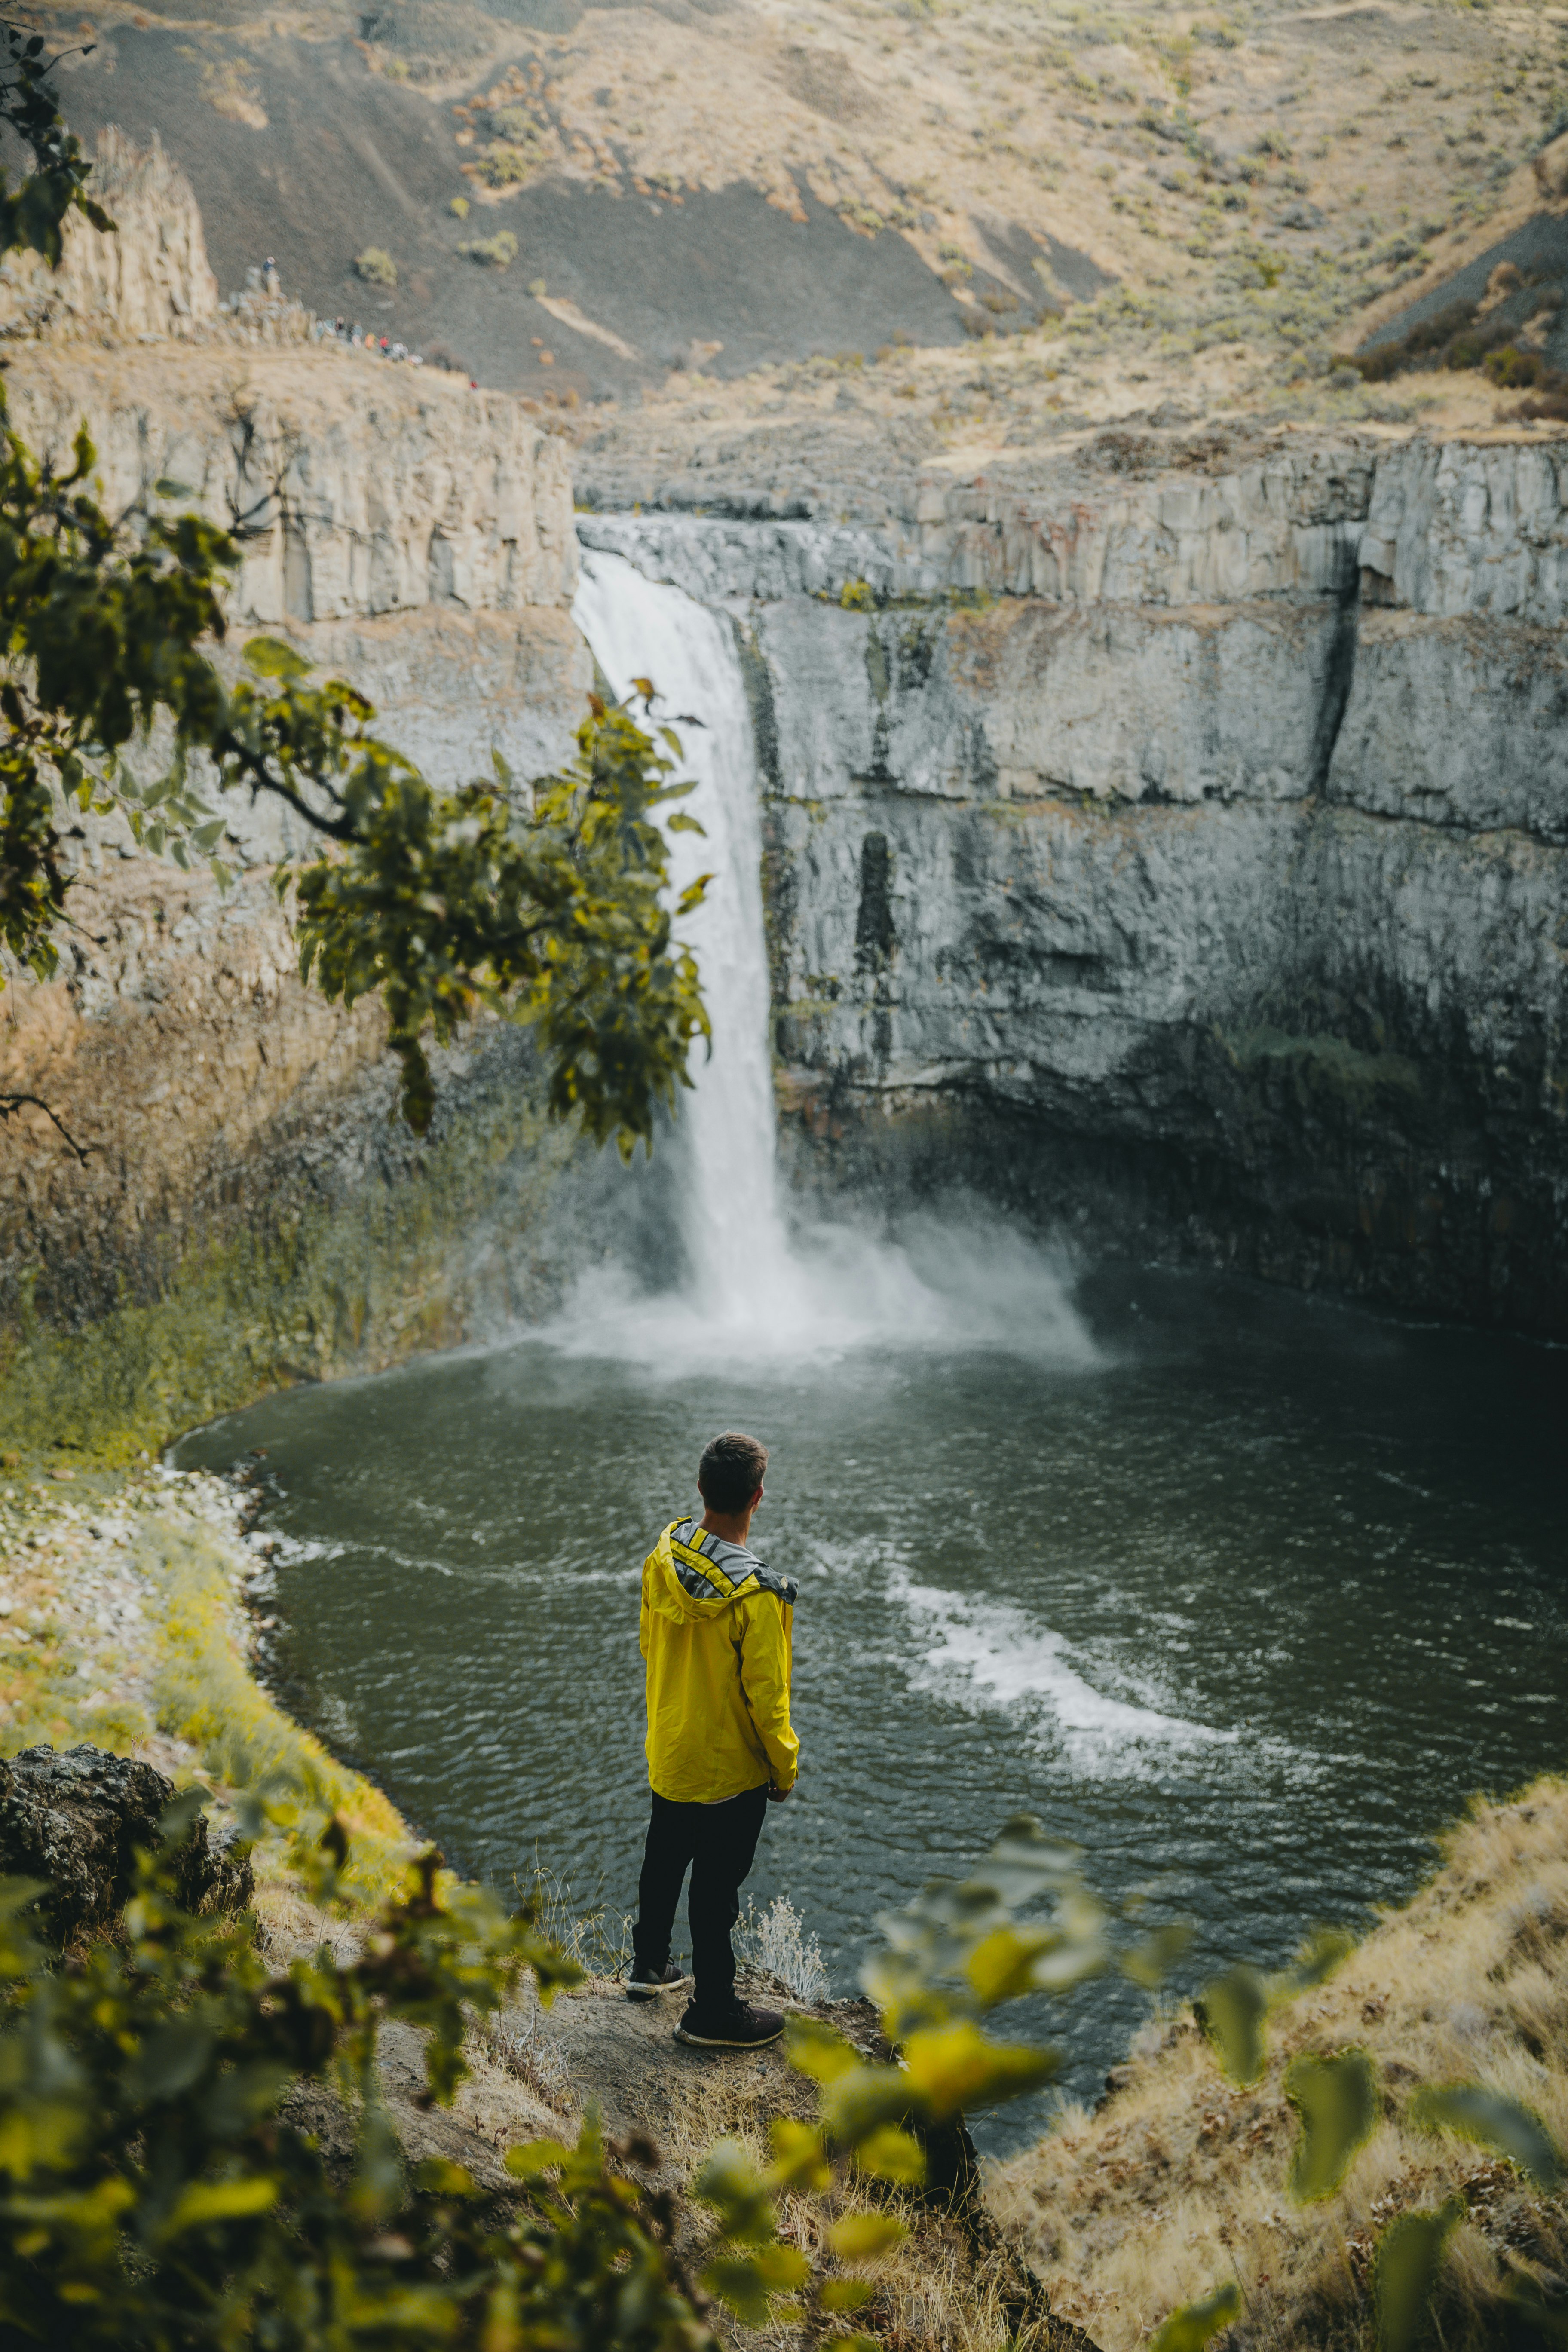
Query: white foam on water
<point>757,1293</point>
<point>991,1655</point>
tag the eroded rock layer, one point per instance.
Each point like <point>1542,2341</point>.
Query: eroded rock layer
<point>1176,848</point>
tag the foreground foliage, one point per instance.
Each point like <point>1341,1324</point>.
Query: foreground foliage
<point>441,902</point>
<point>156,2193</point>
<point>157,2196</point>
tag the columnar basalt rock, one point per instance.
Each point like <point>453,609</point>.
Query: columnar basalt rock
<point>1217,824</point>
<point>150,278</point>
<point>356,487</point>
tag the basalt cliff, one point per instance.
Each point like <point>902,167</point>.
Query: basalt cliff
<point>1169,840</point>
<point>246,1212</point>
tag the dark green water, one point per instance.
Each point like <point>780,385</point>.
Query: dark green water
<point>1245,1592</point>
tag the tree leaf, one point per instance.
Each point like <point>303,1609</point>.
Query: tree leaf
<point>1149,1963</point>
<point>1231,2012</point>
<point>890,2154</point>
<point>1336,2099</point>
<point>845,2294</point>
<point>862,2237</point>
<point>1477,2114</point>
<point>1001,1967</point>
<point>205,2201</point>
<point>1189,2329</point>
<point>163,488</point>
<point>172,2057</point>
<point>681,823</point>
<point>1318,1958</point>
<point>1409,2257</point>
<point>275,658</point>
<point>818,2050</point>
<point>953,2067</point>
<point>535,2157</point>
<point>748,2284</point>
<point>729,2181</point>
<point>784,2268</point>
<point>798,2160</point>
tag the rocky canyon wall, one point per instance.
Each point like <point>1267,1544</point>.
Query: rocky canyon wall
<point>1174,841</point>
<point>416,537</point>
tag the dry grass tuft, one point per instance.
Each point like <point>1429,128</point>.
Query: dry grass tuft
<point>1178,2181</point>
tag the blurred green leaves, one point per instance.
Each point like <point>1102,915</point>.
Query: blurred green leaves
<point>155,2192</point>
<point>1231,2012</point>
<point>1189,2329</point>
<point>1336,2100</point>
<point>1234,2010</point>
<point>1496,2122</point>
<point>1409,2257</point>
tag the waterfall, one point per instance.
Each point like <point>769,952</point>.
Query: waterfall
<point>734,1233</point>
<point>755,1292</point>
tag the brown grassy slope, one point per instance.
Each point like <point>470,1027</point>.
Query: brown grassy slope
<point>1254,175</point>
<point>1178,2182</point>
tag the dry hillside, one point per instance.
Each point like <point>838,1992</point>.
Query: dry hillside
<point>1178,2182</point>
<point>1126,203</point>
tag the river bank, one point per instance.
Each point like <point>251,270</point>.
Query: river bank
<point>1176,2181</point>
<point>123,1623</point>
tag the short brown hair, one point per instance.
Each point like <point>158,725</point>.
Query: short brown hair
<point>731,1471</point>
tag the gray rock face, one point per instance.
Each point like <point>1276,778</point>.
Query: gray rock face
<point>1206,881</point>
<point>76,1818</point>
<point>1112,522</point>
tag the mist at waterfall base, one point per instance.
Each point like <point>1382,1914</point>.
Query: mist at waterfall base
<point>1244,1591</point>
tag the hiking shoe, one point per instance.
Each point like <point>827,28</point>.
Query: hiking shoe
<point>740,2027</point>
<point>647,1984</point>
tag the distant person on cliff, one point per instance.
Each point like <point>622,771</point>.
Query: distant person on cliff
<point>716,1635</point>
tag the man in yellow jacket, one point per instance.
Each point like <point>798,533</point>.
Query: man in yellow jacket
<point>716,1626</point>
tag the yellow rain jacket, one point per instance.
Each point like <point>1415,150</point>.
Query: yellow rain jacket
<point>716,1635</point>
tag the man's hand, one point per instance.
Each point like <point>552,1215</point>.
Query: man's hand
<point>776,1795</point>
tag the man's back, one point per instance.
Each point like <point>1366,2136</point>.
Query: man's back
<point>717,1636</point>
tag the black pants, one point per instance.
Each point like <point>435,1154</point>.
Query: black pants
<point>720,1841</point>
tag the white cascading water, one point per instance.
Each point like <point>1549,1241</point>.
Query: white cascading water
<point>736,1236</point>
<point>755,1291</point>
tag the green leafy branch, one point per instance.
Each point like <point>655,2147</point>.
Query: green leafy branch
<point>32,217</point>
<point>155,2192</point>
<point>1023,1923</point>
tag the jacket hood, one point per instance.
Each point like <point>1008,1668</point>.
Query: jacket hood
<point>694,1575</point>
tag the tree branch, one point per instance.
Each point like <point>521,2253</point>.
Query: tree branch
<point>10,1103</point>
<point>262,780</point>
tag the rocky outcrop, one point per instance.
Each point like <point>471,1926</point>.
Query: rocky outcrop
<point>1145,519</point>
<point>356,488</point>
<point>77,1817</point>
<point>149,278</point>
<point>1179,850</point>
